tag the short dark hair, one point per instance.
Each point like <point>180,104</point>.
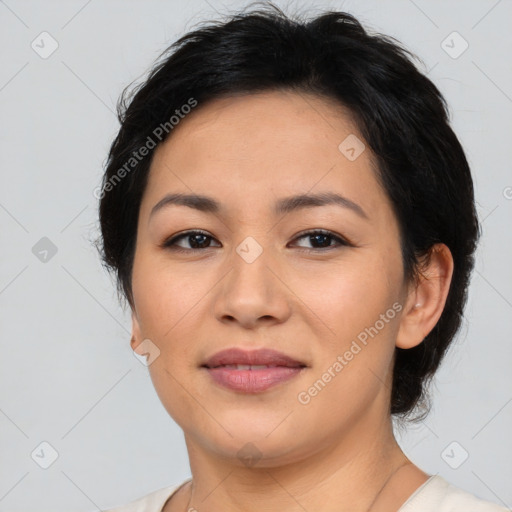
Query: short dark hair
<point>398,111</point>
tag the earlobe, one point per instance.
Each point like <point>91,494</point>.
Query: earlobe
<point>426,300</point>
<point>136,331</point>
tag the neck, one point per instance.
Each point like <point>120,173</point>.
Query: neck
<point>345,474</point>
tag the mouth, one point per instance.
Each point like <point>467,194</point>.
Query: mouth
<point>252,371</point>
<point>249,366</point>
<point>236,357</point>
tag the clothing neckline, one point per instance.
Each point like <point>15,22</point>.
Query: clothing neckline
<point>173,492</point>
<point>411,498</point>
<point>419,490</point>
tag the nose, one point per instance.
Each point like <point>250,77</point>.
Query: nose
<point>252,294</point>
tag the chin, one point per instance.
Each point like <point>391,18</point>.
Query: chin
<point>258,451</point>
<point>266,439</point>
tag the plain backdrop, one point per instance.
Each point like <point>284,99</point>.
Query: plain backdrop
<point>67,374</point>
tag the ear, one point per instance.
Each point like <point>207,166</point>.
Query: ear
<point>136,331</point>
<point>426,297</point>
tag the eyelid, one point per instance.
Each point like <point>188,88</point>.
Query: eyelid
<point>342,241</point>
<point>168,242</point>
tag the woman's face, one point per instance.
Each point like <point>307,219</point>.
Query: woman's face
<point>258,280</point>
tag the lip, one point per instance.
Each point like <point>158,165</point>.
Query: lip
<point>265,356</point>
<point>280,368</point>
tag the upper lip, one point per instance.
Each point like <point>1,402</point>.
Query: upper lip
<point>266,356</point>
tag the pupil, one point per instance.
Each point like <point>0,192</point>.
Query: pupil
<point>194,237</point>
<point>322,238</point>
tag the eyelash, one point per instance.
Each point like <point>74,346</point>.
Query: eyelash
<point>170,243</point>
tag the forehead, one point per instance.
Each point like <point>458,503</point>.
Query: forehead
<point>264,146</point>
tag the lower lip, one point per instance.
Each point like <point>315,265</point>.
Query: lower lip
<point>252,381</point>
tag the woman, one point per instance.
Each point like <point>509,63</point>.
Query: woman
<point>292,222</point>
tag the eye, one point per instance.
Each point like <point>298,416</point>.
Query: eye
<point>323,238</point>
<point>196,240</point>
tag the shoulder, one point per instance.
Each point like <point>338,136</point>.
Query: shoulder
<point>438,495</point>
<point>152,502</point>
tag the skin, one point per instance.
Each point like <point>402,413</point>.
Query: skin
<point>338,450</point>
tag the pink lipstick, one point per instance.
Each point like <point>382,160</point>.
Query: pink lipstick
<point>252,371</point>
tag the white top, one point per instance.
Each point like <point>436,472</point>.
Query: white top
<point>435,495</point>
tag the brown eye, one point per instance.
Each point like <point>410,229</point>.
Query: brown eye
<point>321,239</point>
<point>196,240</point>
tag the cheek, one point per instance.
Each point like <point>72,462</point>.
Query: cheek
<point>357,305</point>
<point>172,388</point>
<point>167,304</point>
<point>354,357</point>
<point>347,296</point>
<point>166,299</point>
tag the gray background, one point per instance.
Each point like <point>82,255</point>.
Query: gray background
<point>67,374</point>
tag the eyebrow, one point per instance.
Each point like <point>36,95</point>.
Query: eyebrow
<point>286,205</point>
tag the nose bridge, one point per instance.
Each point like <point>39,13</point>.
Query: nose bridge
<point>250,277</point>
<point>250,260</point>
<point>250,290</point>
